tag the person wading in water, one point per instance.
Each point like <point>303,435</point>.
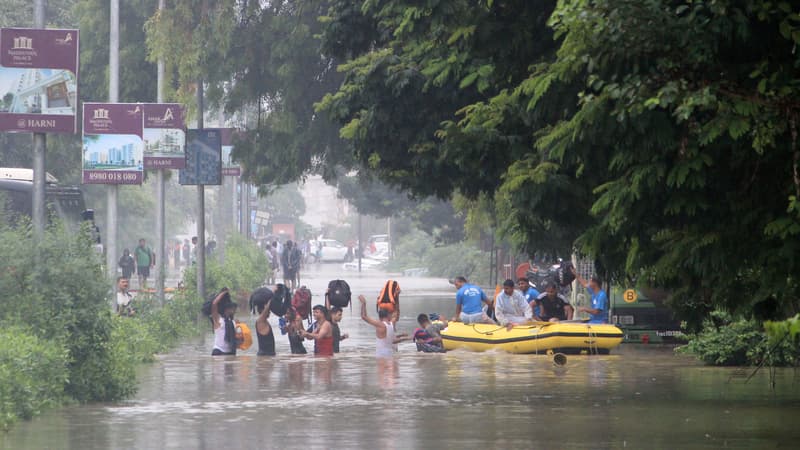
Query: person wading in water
<point>224,326</point>
<point>384,330</point>
<point>323,332</point>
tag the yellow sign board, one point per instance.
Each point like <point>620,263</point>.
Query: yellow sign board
<point>629,296</point>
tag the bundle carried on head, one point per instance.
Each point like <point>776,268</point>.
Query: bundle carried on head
<point>223,303</point>
<point>282,300</point>
<point>259,299</point>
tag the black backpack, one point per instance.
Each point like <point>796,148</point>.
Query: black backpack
<point>564,275</point>
<point>281,300</point>
<point>259,298</point>
<point>339,293</point>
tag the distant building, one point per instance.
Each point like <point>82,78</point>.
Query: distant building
<point>323,205</point>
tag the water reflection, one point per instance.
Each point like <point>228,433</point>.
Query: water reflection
<point>636,398</point>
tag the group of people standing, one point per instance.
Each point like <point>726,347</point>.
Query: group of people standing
<point>324,330</point>
<point>287,258</point>
<point>141,261</point>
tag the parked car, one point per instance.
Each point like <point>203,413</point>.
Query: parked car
<point>332,250</point>
<point>366,264</point>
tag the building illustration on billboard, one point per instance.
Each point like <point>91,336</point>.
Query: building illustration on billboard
<point>164,136</point>
<point>164,142</point>
<point>113,148</point>
<point>38,91</point>
<point>38,80</point>
<point>112,152</point>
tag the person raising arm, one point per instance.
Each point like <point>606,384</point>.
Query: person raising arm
<point>384,330</point>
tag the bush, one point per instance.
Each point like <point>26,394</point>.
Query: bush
<point>417,249</point>
<point>64,299</point>
<point>244,269</point>
<point>33,373</point>
<point>725,341</point>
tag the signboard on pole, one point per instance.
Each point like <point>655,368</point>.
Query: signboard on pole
<point>38,80</point>
<point>203,158</point>
<point>113,143</point>
<point>164,136</point>
<point>229,169</point>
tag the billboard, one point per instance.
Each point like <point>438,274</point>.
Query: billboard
<point>113,143</point>
<point>203,158</point>
<point>38,80</point>
<point>229,169</point>
<point>164,136</point>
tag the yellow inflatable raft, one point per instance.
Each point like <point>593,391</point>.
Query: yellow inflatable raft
<point>541,337</point>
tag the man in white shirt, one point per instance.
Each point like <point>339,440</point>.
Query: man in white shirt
<point>124,298</point>
<point>511,308</point>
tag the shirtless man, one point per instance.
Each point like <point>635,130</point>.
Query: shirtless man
<point>385,337</point>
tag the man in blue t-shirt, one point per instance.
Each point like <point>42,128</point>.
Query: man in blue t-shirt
<point>529,292</point>
<point>598,313</point>
<point>469,302</point>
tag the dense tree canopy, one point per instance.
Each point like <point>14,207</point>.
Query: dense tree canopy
<point>658,137</point>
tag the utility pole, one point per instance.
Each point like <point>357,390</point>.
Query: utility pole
<point>161,254</point>
<point>39,150</point>
<point>201,210</point>
<point>360,243</point>
<point>112,190</point>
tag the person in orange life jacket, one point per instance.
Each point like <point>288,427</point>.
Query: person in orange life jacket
<point>323,332</point>
<point>598,313</point>
<point>389,298</point>
<point>266,339</point>
<point>384,329</point>
<point>224,326</point>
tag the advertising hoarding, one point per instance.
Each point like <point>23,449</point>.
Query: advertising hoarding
<point>38,80</point>
<point>203,158</point>
<point>113,144</point>
<point>164,136</point>
<point>229,169</point>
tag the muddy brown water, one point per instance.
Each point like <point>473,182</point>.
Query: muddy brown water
<point>637,397</point>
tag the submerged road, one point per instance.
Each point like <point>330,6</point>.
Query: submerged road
<point>638,397</point>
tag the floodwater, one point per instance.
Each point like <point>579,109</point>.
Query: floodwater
<point>637,397</point>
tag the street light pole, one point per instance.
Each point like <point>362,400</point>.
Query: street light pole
<point>112,191</point>
<point>160,194</point>
<point>39,150</point>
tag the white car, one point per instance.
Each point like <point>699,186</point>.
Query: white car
<point>332,250</point>
<point>366,264</point>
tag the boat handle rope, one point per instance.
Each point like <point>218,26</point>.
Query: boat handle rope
<point>488,333</point>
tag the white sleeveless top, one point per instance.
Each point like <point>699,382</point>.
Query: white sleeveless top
<point>385,347</point>
<point>219,338</point>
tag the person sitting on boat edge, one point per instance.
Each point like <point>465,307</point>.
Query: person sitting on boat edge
<point>529,292</point>
<point>598,313</point>
<point>510,307</point>
<point>553,306</point>
<point>469,303</point>
<point>427,336</point>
